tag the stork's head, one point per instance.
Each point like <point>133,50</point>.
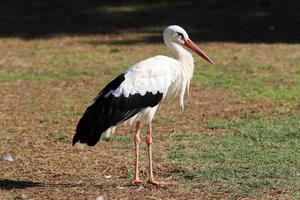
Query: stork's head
<point>178,35</point>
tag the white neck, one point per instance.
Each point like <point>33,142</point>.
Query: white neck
<point>187,63</point>
<point>179,52</point>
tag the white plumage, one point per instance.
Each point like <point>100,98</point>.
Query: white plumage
<point>134,96</point>
<point>157,74</point>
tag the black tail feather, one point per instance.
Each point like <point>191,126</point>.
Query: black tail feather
<point>93,123</point>
<point>90,127</point>
<point>109,110</point>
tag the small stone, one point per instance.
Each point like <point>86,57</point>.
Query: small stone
<point>140,188</point>
<point>22,197</point>
<point>107,176</point>
<point>99,198</point>
<point>7,157</point>
<point>120,187</point>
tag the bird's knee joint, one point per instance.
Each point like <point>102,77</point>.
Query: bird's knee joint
<point>149,139</point>
<point>137,139</point>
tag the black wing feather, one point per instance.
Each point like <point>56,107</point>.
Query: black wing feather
<point>109,111</point>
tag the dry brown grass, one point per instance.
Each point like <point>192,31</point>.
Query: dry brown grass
<point>37,123</point>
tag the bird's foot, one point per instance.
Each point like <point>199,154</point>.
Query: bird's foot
<point>157,183</point>
<point>136,181</point>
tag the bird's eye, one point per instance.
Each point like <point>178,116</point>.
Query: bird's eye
<point>180,35</point>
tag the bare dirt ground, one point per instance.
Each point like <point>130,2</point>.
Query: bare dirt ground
<point>56,55</point>
<point>37,132</point>
<point>45,168</point>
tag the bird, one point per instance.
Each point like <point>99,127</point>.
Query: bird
<point>134,96</point>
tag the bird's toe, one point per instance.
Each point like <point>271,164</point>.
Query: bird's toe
<point>136,182</point>
<point>157,183</point>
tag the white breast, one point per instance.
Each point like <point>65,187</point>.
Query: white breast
<point>157,74</point>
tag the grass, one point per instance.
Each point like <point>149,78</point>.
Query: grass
<point>246,157</point>
<point>70,113</point>
<point>59,136</point>
<point>66,99</point>
<point>256,155</point>
<point>49,120</point>
<point>255,73</point>
<point>254,87</point>
<point>33,105</point>
<point>4,132</point>
<point>120,138</point>
<point>128,175</point>
<point>16,75</point>
<point>161,120</point>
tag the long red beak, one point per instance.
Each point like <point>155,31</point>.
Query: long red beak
<point>190,44</point>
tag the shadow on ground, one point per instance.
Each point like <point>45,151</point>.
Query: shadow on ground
<point>215,20</point>
<point>7,184</point>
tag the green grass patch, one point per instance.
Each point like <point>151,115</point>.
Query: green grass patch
<point>119,138</point>
<point>4,132</point>
<point>49,120</point>
<point>256,155</point>
<point>247,86</point>
<point>59,136</point>
<point>33,104</point>
<point>66,99</point>
<point>128,175</point>
<point>255,72</point>
<point>121,142</point>
<point>161,120</point>
<point>63,59</point>
<point>71,113</point>
<point>14,76</point>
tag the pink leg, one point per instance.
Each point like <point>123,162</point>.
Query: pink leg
<point>137,142</point>
<point>149,143</point>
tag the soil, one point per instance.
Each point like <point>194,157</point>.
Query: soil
<point>37,126</point>
<point>47,167</point>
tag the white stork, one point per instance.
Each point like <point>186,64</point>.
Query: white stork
<point>133,97</point>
